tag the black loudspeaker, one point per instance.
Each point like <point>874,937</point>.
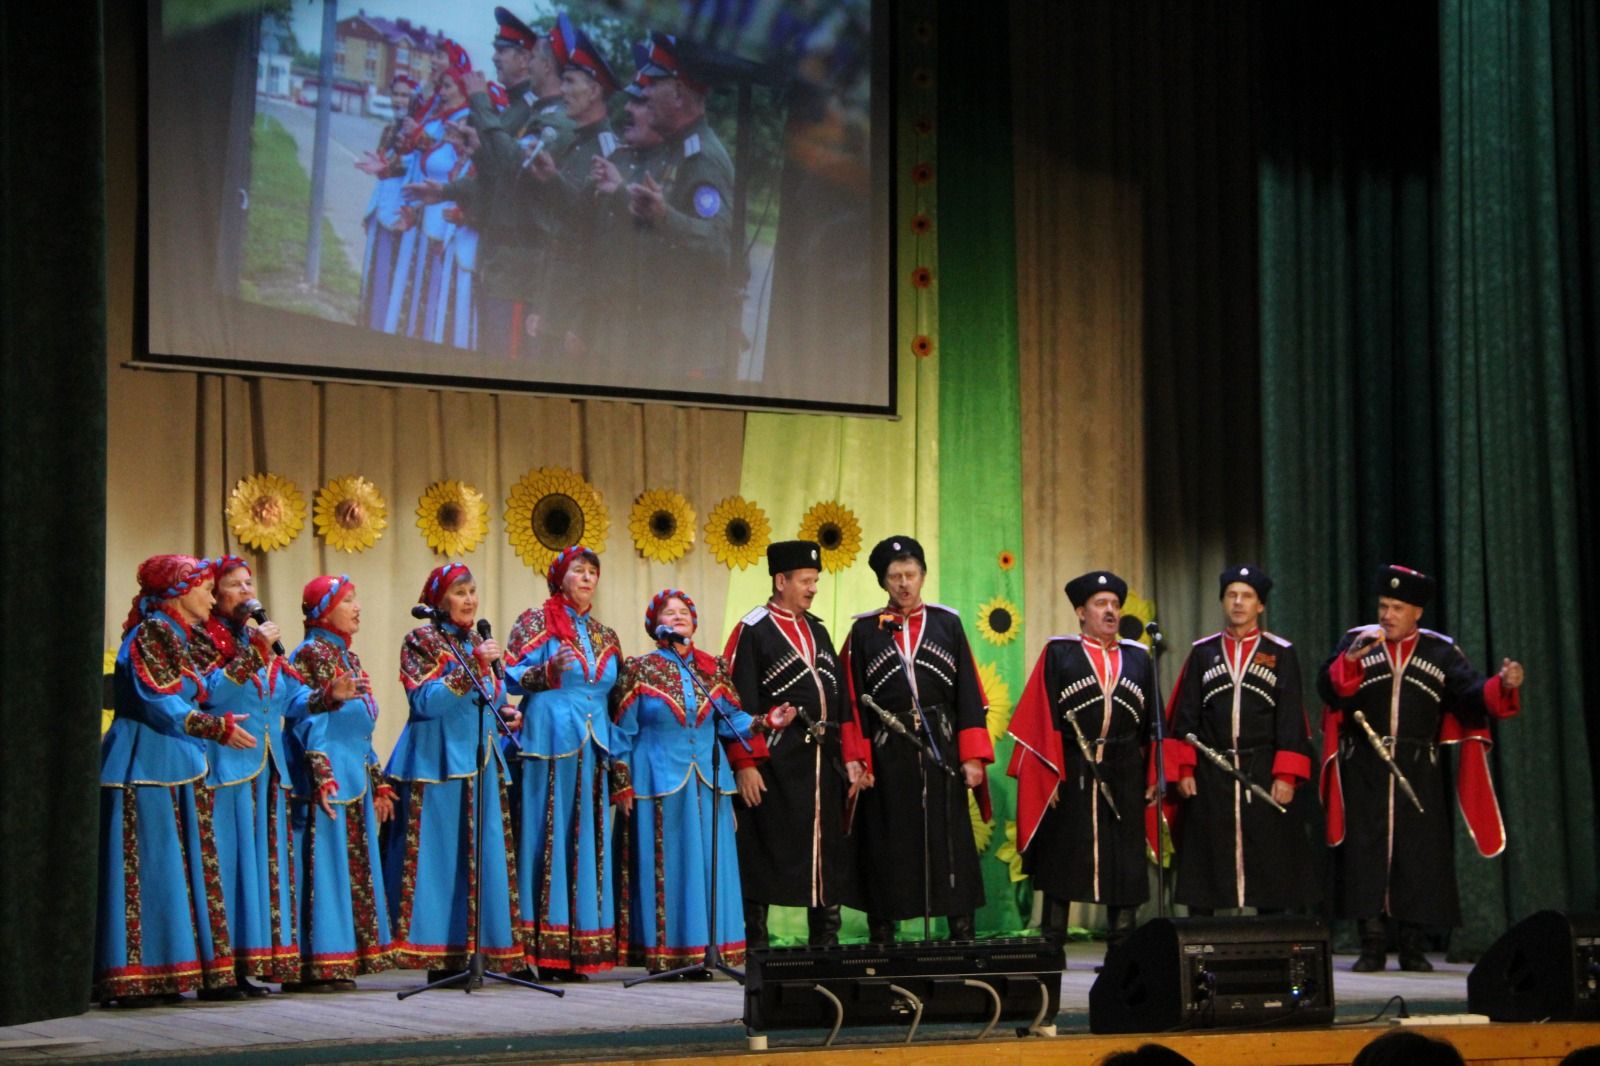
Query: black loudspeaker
<point>1201,973</point>
<point>875,984</point>
<point>1545,966</point>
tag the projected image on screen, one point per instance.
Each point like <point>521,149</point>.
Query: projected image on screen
<point>672,200</point>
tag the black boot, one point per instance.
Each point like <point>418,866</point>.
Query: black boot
<point>961,926</point>
<point>755,924</point>
<point>822,926</point>
<point>1373,942</point>
<point>1411,956</point>
<point>880,930</point>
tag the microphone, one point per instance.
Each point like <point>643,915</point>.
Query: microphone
<point>1158,640</point>
<point>259,613</point>
<point>484,631</point>
<point>671,635</point>
<point>890,621</point>
<point>424,612</point>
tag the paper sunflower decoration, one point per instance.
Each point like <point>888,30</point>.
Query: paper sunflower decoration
<point>737,532</point>
<point>998,693</point>
<point>1008,854</point>
<point>835,529</point>
<point>350,513</point>
<point>108,699</point>
<point>999,620</point>
<point>1137,612</point>
<point>266,511</point>
<point>662,524</point>
<point>1006,560</point>
<point>453,517</point>
<point>553,508</point>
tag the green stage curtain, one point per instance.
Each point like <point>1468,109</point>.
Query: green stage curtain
<point>1424,324</point>
<point>52,515</point>
<point>1517,211</point>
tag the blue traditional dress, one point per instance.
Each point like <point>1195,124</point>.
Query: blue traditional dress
<point>664,732</point>
<point>433,879</point>
<point>564,796</point>
<point>250,796</point>
<point>386,222</point>
<point>339,880</point>
<point>162,925</point>
<point>417,288</point>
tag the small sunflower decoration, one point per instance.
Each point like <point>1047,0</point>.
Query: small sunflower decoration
<point>998,694</point>
<point>1137,612</point>
<point>553,508</point>
<point>108,698</point>
<point>999,620</point>
<point>662,524</point>
<point>737,532</point>
<point>1010,855</point>
<point>350,513</point>
<point>1007,560</point>
<point>266,511</point>
<point>453,517</point>
<point>835,529</point>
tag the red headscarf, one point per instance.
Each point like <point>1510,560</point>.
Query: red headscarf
<point>439,583</point>
<point>706,663</point>
<point>163,578</point>
<point>555,608</point>
<point>321,596</point>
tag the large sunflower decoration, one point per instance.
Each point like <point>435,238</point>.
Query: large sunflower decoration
<point>835,529</point>
<point>553,508</point>
<point>266,511</point>
<point>1137,612</point>
<point>453,517</point>
<point>999,621</point>
<point>662,524</point>
<point>737,532</point>
<point>350,513</point>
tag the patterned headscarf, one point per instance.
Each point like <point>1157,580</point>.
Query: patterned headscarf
<point>659,600</point>
<point>559,566</point>
<point>439,583</point>
<point>322,595</point>
<point>163,578</point>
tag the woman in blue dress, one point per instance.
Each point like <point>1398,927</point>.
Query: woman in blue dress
<point>664,734</point>
<point>162,927</point>
<point>455,698</point>
<point>563,663</point>
<point>385,219</point>
<point>417,292</point>
<point>249,787</point>
<point>339,800</point>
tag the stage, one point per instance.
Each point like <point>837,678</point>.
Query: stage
<point>602,1021</point>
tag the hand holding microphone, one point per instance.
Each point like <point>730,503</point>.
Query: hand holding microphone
<point>1360,645</point>
<point>258,614</point>
<point>490,649</point>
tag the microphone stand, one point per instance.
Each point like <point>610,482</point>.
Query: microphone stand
<point>473,976</point>
<point>925,754</point>
<point>711,962</point>
<point>1157,646</point>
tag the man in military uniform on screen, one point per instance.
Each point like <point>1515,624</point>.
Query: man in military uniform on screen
<point>564,194</point>
<point>686,219</point>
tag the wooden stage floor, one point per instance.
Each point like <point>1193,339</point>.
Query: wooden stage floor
<point>602,1021</point>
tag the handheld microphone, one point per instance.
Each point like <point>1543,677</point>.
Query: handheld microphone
<point>424,612</point>
<point>890,621</point>
<point>667,633</point>
<point>484,631</point>
<point>259,613</point>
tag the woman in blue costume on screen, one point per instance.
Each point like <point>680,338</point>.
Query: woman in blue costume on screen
<point>162,928</point>
<point>249,787</point>
<point>339,799</point>
<point>564,662</point>
<point>664,731</point>
<point>385,218</point>
<point>417,290</point>
<point>455,698</point>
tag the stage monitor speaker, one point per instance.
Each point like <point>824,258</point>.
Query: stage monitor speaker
<point>981,981</point>
<point>1545,966</point>
<point>1201,973</point>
